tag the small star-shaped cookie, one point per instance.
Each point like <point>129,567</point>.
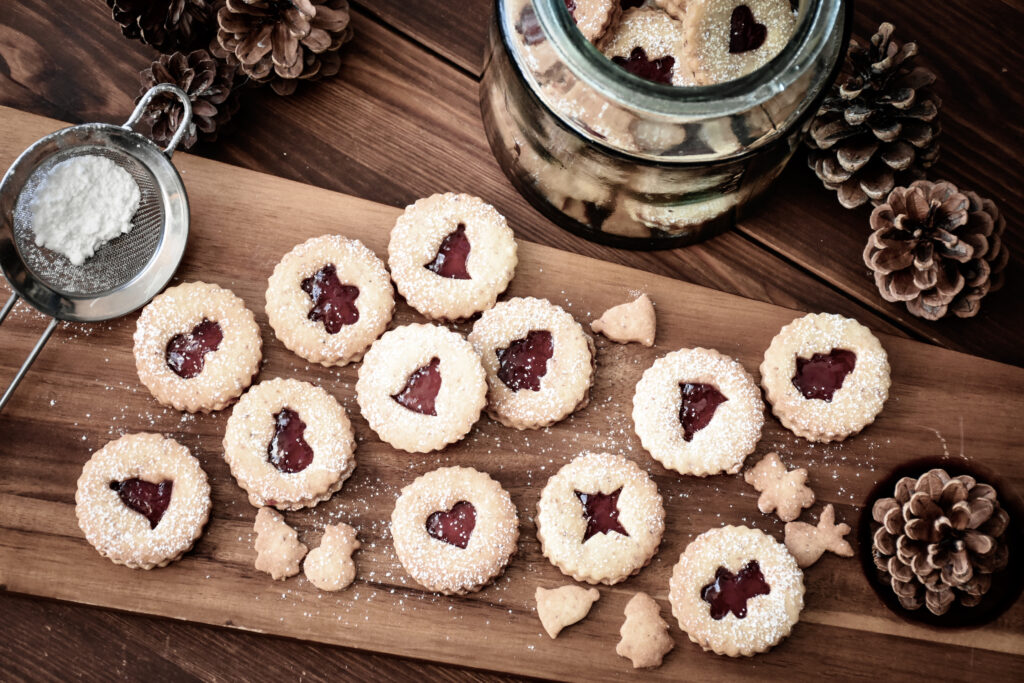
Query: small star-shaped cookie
<point>277,545</point>
<point>807,543</point>
<point>645,639</point>
<point>564,606</point>
<point>329,567</point>
<point>782,491</point>
<point>631,322</point>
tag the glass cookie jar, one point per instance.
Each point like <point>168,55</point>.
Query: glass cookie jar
<point>638,164</point>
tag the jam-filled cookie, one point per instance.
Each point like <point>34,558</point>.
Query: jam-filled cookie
<point>600,518</point>
<point>289,444</point>
<point>142,501</point>
<point>454,530</point>
<point>826,377</point>
<point>451,255</point>
<point>538,359</point>
<point>736,591</point>
<point>727,39</point>
<point>421,387</point>
<point>650,44</point>
<point>329,298</point>
<point>698,412</point>
<point>197,347</point>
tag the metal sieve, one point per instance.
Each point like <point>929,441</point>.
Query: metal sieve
<point>123,274</point>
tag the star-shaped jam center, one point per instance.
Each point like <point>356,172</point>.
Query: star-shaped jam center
<point>729,592</point>
<point>601,510</point>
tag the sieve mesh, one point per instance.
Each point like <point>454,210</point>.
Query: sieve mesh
<point>115,263</point>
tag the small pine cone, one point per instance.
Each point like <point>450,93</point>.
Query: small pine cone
<point>938,249</point>
<point>877,128</point>
<point>167,25</point>
<point>209,84</point>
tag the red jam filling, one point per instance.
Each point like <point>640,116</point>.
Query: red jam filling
<point>571,6</point>
<point>729,592</point>
<point>288,450</point>
<point>334,304</point>
<point>149,500</point>
<point>421,389</point>
<point>529,28</point>
<point>698,407</point>
<point>601,510</point>
<point>451,256</point>
<point>657,70</point>
<point>523,363</point>
<point>186,353</point>
<point>745,33</point>
<point>821,375</point>
<point>454,526</point>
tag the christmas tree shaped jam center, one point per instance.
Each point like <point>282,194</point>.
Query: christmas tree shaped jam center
<point>601,511</point>
<point>334,304</point>
<point>288,450</point>
<point>821,375</point>
<point>148,499</point>
<point>657,70</point>
<point>453,526</point>
<point>420,391</point>
<point>698,407</point>
<point>452,255</point>
<point>729,592</point>
<point>186,353</point>
<point>523,363</point>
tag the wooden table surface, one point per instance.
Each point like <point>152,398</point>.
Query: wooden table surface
<point>401,121</point>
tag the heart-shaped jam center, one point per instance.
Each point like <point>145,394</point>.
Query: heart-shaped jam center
<point>657,70</point>
<point>334,304</point>
<point>186,353</point>
<point>148,499</point>
<point>523,363</point>
<point>698,407</point>
<point>454,526</point>
<point>729,592</point>
<point>745,33</point>
<point>420,391</point>
<point>451,256</point>
<point>821,375</point>
<point>288,450</point>
<point>601,510</point>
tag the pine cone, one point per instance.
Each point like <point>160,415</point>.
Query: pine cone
<point>878,127</point>
<point>209,84</point>
<point>167,25</point>
<point>279,41</point>
<point>937,248</point>
<point>941,538</point>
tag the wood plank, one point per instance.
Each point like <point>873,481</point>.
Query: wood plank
<point>971,404</point>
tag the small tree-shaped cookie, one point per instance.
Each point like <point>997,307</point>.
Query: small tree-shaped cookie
<point>563,606</point>
<point>277,545</point>
<point>645,639</point>
<point>807,543</point>
<point>330,566</point>
<point>630,322</point>
<point>784,492</point>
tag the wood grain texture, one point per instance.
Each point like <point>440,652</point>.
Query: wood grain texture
<point>970,405</point>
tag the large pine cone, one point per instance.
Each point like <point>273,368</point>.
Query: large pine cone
<point>209,84</point>
<point>937,248</point>
<point>878,127</point>
<point>941,538</point>
<point>280,41</point>
<point>167,25</point>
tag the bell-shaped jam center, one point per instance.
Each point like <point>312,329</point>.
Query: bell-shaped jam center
<point>453,526</point>
<point>822,375</point>
<point>657,70</point>
<point>698,407</point>
<point>148,499</point>
<point>420,391</point>
<point>523,363</point>
<point>745,33</point>
<point>334,304</point>
<point>288,450</point>
<point>729,592</point>
<point>186,353</point>
<point>601,511</point>
<point>451,256</point>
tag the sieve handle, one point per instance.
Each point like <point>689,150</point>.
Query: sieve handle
<point>186,120</point>
<point>32,354</point>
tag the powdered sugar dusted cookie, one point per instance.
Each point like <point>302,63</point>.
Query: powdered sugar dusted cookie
<point>563,606</point>
<point>451,255</point>
<point>650,44</point>
<point>783,492</point>
<point>674,8</point>
<point>736,591</point>
<point>278,550</point>
<point>142,501</point>
<point>454,530</point>
<point>727,39</point>
<point>807,542</point>
<point>644,635</point>
<point>197,347</point>
<point>421,387</point>
<point>629,322</point>
<point>698,412</point>
<point>329,566</point>
<point>328,299</point>
<point>593,17</point>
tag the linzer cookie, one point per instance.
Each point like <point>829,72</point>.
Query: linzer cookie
<point>289,444</point>
<point>736,591</point>
<point>328,299</point>
<point>539,362</point>
<point>698,412</point>
<point>826,377</point>
<point>142,501</point>
<point>650,44</point>
<point>454,530</point>
<point>421,387</point>
<point>600,518</point>
<point>197,347</point>
<point>451,255</point>
<point>727,39</point>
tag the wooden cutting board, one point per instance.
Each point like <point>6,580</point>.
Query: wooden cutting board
<point>83,391</point>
